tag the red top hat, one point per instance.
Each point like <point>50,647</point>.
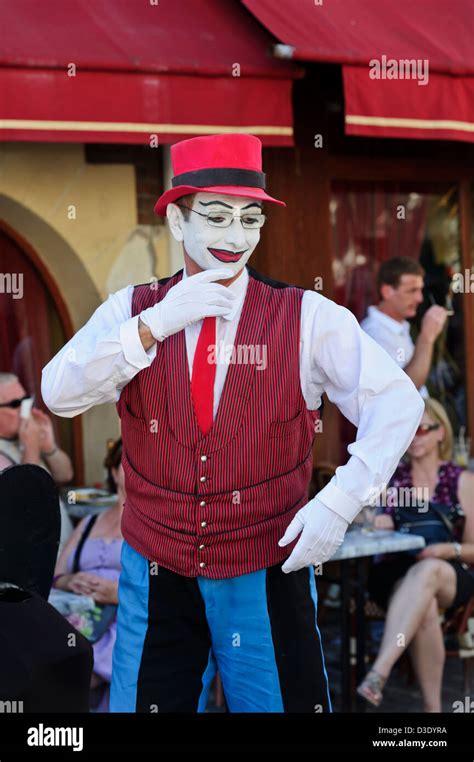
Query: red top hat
<point>230,164</point>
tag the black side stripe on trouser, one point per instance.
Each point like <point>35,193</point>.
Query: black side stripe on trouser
<point>177,643</point>
<point>176,647</point>
<point>296,640</point>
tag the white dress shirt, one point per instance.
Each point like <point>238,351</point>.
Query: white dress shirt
<point>336,357</point>
<point>393,336</point>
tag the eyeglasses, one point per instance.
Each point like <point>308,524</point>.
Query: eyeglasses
<point>15,403</point>
<point>225,219</point>
<point>425,428</point>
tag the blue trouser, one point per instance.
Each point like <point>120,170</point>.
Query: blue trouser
<point>259,630</point>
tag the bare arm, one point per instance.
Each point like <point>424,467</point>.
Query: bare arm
<point>37,437</point>
<point>432,324</point>
<point>61,565</point>
<point>60,465</point>
<point>83,583</point>
<point>419,366</point>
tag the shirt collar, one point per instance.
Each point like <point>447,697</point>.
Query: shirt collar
<point>238,287</point>
<point>395,325</point>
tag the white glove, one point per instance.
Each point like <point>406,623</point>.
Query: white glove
<point>190,300</point>
<point>323,532</point>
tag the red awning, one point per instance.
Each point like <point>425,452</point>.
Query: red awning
<point>392,40</point>
<point>166,68</point>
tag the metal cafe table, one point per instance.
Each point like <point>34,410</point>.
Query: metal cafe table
<point>358,546</point>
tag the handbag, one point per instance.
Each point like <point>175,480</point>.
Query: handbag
<point>440,523</point>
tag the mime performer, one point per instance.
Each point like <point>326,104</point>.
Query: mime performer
<point>217,373</point>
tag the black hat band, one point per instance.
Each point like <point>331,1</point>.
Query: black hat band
<point>203,178</point>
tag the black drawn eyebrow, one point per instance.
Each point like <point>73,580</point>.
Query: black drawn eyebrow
<point>208,203</point>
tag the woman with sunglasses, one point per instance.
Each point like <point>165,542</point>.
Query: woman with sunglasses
<point>411,588</point>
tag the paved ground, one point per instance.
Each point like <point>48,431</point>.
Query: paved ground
<point>399,694</point>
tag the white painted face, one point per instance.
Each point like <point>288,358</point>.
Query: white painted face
<point>211,247</point>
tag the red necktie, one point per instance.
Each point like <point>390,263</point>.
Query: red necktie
<point>203,375</point>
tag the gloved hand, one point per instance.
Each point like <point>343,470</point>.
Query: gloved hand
<point>190,300</point>
<point>323,532</point>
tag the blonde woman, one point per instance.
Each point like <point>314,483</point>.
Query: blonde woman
<point>413,588</point>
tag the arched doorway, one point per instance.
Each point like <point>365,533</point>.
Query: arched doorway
<point>34,325</point>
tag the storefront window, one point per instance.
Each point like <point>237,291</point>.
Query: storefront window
<point>372,222</point>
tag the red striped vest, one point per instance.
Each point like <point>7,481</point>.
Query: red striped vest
<point>216,505</point>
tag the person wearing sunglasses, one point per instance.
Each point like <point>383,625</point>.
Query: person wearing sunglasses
<point>219,535</point>
<point>31,440</point>
<point>412,588</point>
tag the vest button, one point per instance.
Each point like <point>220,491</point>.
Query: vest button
<point>202,503</point>
<point>201,547</point>
<point>203,458</point>
<point>202,479</point>
<point>204,523</point>
<point>202,564</point>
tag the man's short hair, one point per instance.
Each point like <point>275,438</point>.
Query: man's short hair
<point>391,271</point>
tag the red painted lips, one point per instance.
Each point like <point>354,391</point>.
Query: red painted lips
<point>226,256</point>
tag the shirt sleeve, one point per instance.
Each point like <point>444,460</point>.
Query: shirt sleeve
<point>99,360</point>
<point>370,390</point>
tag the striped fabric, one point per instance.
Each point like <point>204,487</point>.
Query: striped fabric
<point>216,505</point>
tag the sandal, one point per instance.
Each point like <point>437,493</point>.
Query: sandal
<point>371,687</point>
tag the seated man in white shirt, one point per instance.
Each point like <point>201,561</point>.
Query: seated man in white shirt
<point>400,289</point>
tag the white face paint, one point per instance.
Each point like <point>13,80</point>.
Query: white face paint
<point>211,247</point>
